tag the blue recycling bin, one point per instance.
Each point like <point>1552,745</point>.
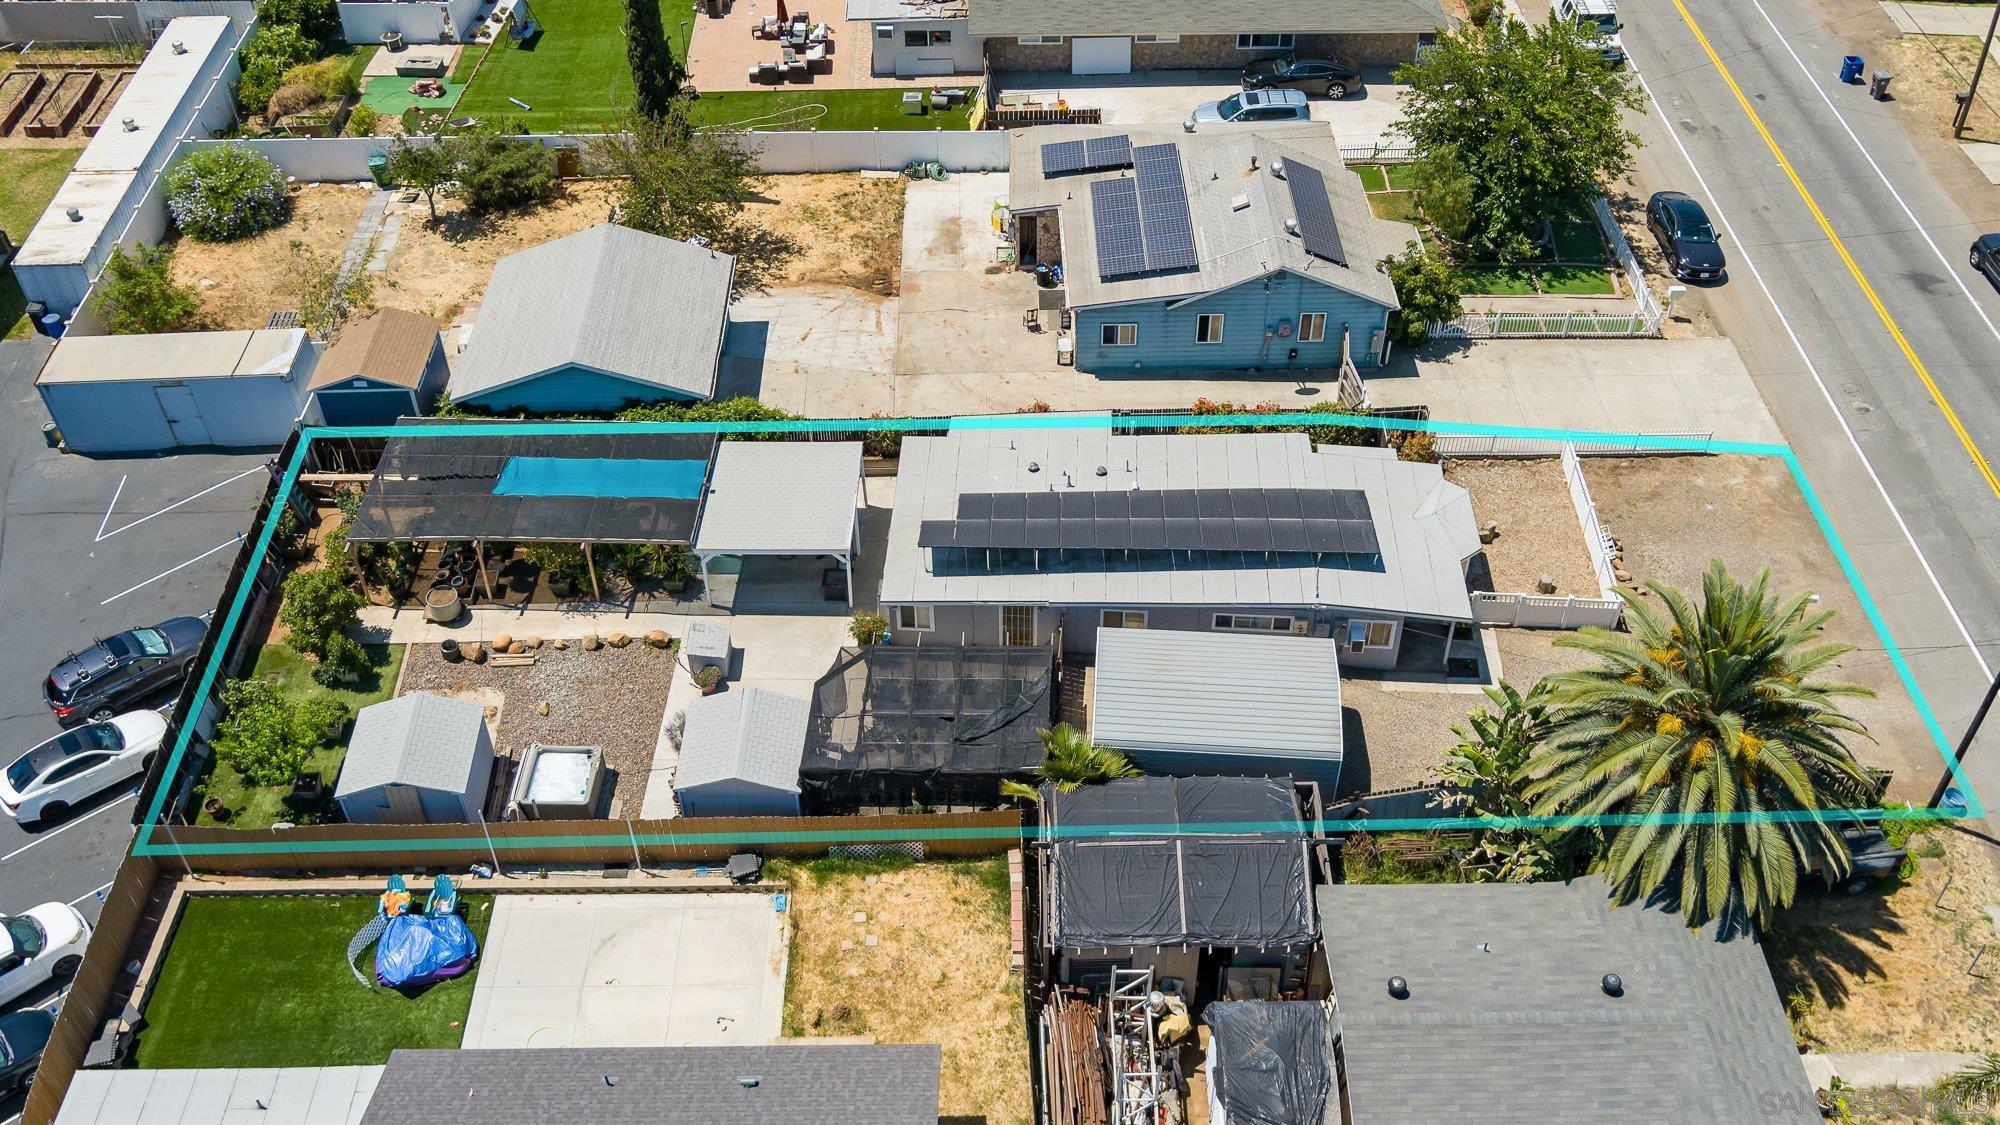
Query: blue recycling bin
<point>1850,69</point>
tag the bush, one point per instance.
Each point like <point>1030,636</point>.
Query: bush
<point>226,192</point>
<point>318,607</point>
<point>558,561</point>
<point>291,98</point>
<point>1427,288</point>
<point>496,172</point>
<point>1418,445</point>
<point>138,295</point>
<point>707,676</point>
<point>267,736</point>
<point>275,49</point>
<point>316,20</point>
<point>329,77</point>
<point>868,628</point>
<point>362,122</point>
<point>882,443</point>
<point>343,660</point>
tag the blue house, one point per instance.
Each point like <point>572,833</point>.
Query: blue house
<point>1234,249</point>
<point>595,321</point>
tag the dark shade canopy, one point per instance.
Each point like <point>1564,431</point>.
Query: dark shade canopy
<point>1321,521</point>
<point>1272,1060</point>
<point>931,709</point>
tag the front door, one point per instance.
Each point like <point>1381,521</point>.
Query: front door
<point>1101,56</point>
<point>1017,625</point>
<point>406,806</point>
<point>183,416</point>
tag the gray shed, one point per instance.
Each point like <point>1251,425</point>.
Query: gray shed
<point>417,759</point>
<point>740,754</point>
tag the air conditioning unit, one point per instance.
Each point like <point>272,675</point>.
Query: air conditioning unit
<point>1300,626</point>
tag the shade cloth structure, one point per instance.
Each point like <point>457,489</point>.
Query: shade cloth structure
<point>1218,861</point>
<point>1270,1062</point>
<point>584,487</point>
<point>782,498</point>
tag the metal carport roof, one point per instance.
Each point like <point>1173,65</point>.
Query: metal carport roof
<point>1218,693</point>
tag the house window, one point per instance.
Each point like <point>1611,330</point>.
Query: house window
<point>1265,41</point>
<point>1208,328</point>
<point>1312,328</point>
<point>885,31</point>
<point>1363,634</point>
<point>1253,623</point>
<point>1118,335</point>
<point>1038,40</point>
<point>1122,619</point>
<point>915,617</point>
<point>1156,39</point>
<point>926,38</point>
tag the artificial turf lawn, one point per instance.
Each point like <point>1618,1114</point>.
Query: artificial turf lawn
<point>31,177</point>
<point>260,982</point>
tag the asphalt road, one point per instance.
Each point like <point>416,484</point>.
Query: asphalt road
<point>89,547</point>
<point>1910,500</point>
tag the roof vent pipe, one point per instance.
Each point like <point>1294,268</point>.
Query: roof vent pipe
<point>180,48</point>
<point>131,126</point>
<point>1612,985</point>
<point>1399,988</point>
<point>75,216</point>
<point>750,1081</point>
<point>611,1080</point>
<point>1253,162</point>
<point>1291,226</point>
<point>1102,471</point>
<point>1034,466</point>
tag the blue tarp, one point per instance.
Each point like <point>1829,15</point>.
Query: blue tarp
<point>419,949</point>
<point>602,478</point>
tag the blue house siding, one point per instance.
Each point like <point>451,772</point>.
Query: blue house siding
<point>1166,334</point>
<point>573,389</point>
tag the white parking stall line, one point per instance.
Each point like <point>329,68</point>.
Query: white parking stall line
<point>90,894</point>
<point>102,534</point>
<point>229,542</point>
<point>53,833</point>
<point>110,508</point>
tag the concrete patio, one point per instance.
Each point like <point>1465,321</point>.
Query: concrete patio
<point>1166,97</point>
<point>722,51</point>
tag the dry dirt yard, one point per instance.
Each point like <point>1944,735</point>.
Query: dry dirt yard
<point>1539,534</point>
<point>937,971</point>
<point>243,282</point>
<point>849,228</point>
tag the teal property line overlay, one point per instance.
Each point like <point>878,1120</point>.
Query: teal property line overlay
<point>275,844</point>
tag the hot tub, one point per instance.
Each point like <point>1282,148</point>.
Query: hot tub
<point>559,782</point>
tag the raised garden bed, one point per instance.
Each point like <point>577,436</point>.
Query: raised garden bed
<point>64,104</point>
<point>18,91</point>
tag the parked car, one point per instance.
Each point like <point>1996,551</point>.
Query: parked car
<point>1252,106</point>
<point>1986,256</point>
<point>22,1037</point>
<point>1313,75</point>
<point>45,782</point>
<point>118,671</point>
<point>1598,20</point>
<point>1685,235</point>
<point>45,944</point>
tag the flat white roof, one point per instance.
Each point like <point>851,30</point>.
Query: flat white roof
<point>293,1095</point>
<point>781,497</point>
<point>173,355</point>
<point>58,240</point>
<point>1228,693</point>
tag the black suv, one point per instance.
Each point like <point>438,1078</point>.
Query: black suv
<point>22,1037</point>
<point>1314,76</point>
<point>118,671</point>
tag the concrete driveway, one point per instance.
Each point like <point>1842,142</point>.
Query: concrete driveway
<point>630,970</point>
<point>1166,97</point>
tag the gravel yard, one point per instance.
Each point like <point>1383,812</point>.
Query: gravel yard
<point>614,698</point>
<point>1529,500</point>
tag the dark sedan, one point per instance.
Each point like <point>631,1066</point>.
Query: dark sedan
<point>22,1037</point>
<point>1315,76</point>
<point>1986,256</point>
<point>1685,236</point>
<point>121,670</point>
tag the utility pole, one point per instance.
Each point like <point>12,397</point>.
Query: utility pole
<point>1965,99</point>
<point>1972,731</point>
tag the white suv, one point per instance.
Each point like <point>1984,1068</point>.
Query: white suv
<point>45,944</point>
<point>47,781</point>
<point>1599,23</point>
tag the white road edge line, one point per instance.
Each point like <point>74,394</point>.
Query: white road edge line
<point>1813,369</point>
<point>102,535</point>
<point>110,508</point>
<point>1916,223</point>
<point>89,894</point>
<point>52,834</point>
<point>230,542</point>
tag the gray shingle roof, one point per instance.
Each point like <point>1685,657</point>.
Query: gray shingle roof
<point>1521,1030</point>
<point>745,734</point>
<point>611,299</point>
<point>1223,167</point>
<point>789,497</point>
<point>1165,689</point>
<point>1202,17</point>
<point>816,1084</point>
<point>419,739</point>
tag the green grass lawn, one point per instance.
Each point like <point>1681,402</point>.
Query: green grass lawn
<point>263,982</point>
<point>1488,279</point>
<point>845,109</point>
<point>31,177</point>
<point>573,72</point>
<point>1398,205</point>
<point>1373,177</point>
<point>1575,280</point>
<point>256,806</point>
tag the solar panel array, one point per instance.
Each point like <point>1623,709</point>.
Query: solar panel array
<point>1096,154</point>
<point>1320,521</point>
<point>1143,224</point>
<point>1315,210</point>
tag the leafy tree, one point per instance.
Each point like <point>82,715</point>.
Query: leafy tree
<point>1531,114</point>
<point>317,607</point>
<point>1705,721</point>
<point>228,191</point>
<point>657,76</point>
<point>1444,193</point>
<point>316,20</point>
<point>867,628</point>
<point>138,294</point>
<point>1482,777</point>
<point>1428,290</point>
<point>678,181</point>
<point>275,49</point>
<point>1069,761</point>
<point>1976,1084</point>
<point>496,172</point>
<point>344,659</point>
<point>328,295</point>
<point>430,167</point>
<point>268,736</point>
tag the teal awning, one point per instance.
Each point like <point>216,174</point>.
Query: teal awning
<point>602,478</point>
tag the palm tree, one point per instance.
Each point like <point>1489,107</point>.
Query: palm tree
<point>1070,760</point>
<point>1978,1084</point>
<point>1708,723</point>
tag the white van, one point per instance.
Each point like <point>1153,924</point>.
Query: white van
<point>1598,20</point>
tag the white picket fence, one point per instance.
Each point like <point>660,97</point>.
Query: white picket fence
<point>1596,540</point>
<point>1546,611</point>
<point>1610,445</point>
<point>1643,320</point>
<point>1379,151</point>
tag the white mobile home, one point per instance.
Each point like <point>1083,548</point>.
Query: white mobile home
<point>143,394</point>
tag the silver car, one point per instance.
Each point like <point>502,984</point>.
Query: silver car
<point>1252,106</point>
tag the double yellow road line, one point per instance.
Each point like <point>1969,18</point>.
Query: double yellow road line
<point>1889,322</point>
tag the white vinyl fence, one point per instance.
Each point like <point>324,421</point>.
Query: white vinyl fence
<point>1643,320</point>
<point>1676,443</point>
<point>1596,540</point>
<point>1559,611</point>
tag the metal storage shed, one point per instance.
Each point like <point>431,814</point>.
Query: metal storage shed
<point>417,759</point>
<point>1188,703</point>
<point>782,498</point>
<point>140,394</point>
<point>387,365</point>
<point>740,754</point>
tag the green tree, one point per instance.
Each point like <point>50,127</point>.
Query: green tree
<point>657,76</point>
<point>1428,290</point>
<point>1444,193</point>
<point>267,736</point>
<point>317,606</point>
<point>1069,761</point>
<point>496,171</point>
<point>1710,723</point>
<point>1483,777</point>
<point>227,191</point>
<point>316,20</point>
<point>328,295</point>
<point>1531,114</point>
<point>429,167</point>
<point>362,121</point>
<point>678,181</point>
<point>275,49</point>
<point>1977,1084</point>
<point>138,294</point>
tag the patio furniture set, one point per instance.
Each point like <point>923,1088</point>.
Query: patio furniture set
<point>806,49</point>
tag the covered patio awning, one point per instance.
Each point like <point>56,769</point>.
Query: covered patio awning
<point>782,498</point>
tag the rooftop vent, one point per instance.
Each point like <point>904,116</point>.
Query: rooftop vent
<point>131,126</point>
<point>1102,471</point>
<point>75,215</point>
<point>1612,985</point>
<point>1034,466</point>
<point>180,48</point>
<point>1291,226</point>
<point>1277,168</point>
<point>1399,988</point>
<point>750,1081</point>
<point>1240,203</point>
<point>611,1080</point>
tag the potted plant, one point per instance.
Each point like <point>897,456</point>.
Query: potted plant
<point>215,808</point>
<point>708,678</point>
<point>868,628</point>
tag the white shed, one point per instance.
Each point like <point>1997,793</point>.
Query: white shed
<point>142,394</point>
<point>417,759</point>
<point>740,754</point>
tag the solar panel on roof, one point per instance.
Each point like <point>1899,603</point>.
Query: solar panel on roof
<point>1062,156</point>
<point>1214,519</point>
<point>1163,207</point>
<point>1315,210</point>
<point>1108,152</point>
<point>1121,248</point>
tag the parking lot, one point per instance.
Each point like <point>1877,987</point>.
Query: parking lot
<point>88,548</point>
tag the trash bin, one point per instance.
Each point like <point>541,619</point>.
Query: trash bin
<point>378,167</point>
<point>1850,69</point>
<point>1878,87</point>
